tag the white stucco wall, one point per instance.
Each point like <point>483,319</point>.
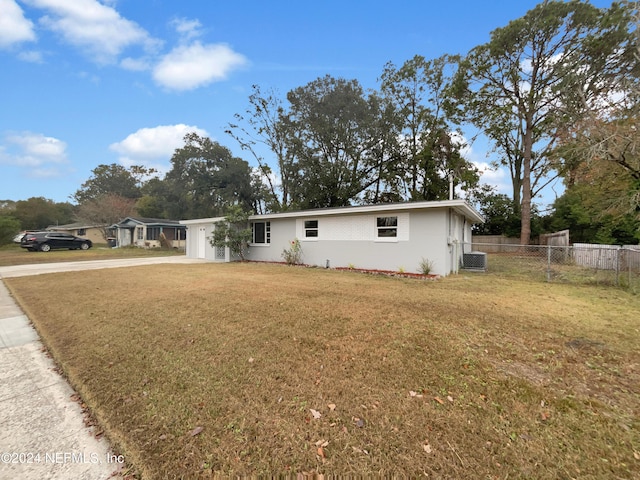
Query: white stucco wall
<point>199,234</point>
<point>435,234</point>
<point>351,240</point>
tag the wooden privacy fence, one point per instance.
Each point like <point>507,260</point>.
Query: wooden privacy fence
<point>556,239</point>
<point>494,243</point>
<point>607,257</point>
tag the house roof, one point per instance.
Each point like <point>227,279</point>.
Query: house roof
<point>73,226</point>
<point>460,206</point>
<point>154,222</point>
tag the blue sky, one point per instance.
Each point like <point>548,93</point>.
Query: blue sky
<point>89,82</point>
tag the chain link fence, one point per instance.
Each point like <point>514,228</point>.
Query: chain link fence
<point>580,263</point>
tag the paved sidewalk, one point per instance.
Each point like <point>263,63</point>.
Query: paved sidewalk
<point>42,431</point>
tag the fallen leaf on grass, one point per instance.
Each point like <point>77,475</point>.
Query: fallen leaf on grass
<point>544,416</point>
<point>359,422</point>
<point>316,414</point>
<point>439,400</point>
<point>196,431</point>
<point>321,453</point>
<point>360,450</point>
<point>450,398</point>
<point>426,447</point>
<point>636,455</point>
<point>332,406</point>
<point>322,443</point>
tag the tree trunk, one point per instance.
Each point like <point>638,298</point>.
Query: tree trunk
<point>525,210</point>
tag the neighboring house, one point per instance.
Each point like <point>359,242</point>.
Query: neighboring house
<point>383,237</point>
<point>92,232</point>
<point>149,233</point>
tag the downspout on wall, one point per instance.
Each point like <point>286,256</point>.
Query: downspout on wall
<point>450,244</point>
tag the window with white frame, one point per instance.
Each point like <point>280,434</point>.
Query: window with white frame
<point>311,229</point>
<point>140,231</point>
<point>261,232</point>
<point>387,227</point>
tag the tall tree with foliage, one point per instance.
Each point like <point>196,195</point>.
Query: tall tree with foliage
<point>428,148</point>
<point>516,86</point>
<point>264,126</point>
<point>332,128</point>
<point>499,214</point>
<point>37,213</point>
<point>9,227</point>
<point>333,144</point>
<point>111,179</point>
<point>601,150</point>
<point>105,211</point>
<point>205,179</point>
<point>580,210</point>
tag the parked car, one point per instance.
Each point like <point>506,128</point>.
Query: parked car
<point>18,238</point>
<point>45,241</point>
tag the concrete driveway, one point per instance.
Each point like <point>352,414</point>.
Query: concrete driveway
<point>36,269</point>
<point>42,429</point>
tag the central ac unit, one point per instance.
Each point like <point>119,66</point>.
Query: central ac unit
<point>474,261</point>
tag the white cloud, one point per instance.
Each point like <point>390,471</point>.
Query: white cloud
<point>97,28</point>
<point>135,64</point>
<point>40,155</point>
<point>14,27</point>
<point>496,177</point>
<point>153,147</point>
<point>31,56</point>
<point>44,173</point>
<point>191,66</point>
<point>187,29</point>
<point>94,27</point>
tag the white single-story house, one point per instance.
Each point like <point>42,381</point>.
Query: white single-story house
<point>395,236</point>
<point>149,233</point>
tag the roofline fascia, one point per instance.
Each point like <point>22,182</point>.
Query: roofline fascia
<point>459,205</point>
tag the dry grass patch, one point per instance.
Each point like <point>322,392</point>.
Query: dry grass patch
<point>250,369</point>
<point>15,255</point>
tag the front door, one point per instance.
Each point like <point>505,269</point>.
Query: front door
<point>202,242</point>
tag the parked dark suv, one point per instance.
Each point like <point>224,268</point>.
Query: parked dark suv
<point>45,241</point>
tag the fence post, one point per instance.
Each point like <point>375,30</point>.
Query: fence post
<point>548,263</point>
<point>617,265</point>
<point>629,269</point>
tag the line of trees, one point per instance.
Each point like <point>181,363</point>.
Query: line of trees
<point>556,92</point>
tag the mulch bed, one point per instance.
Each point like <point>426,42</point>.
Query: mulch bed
<point>388,273</point>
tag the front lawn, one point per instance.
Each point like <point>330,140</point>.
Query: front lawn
<point>15,255</point>
<point>257,369</point>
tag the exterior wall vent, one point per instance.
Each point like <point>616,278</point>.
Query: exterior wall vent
<point>475,261</point>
